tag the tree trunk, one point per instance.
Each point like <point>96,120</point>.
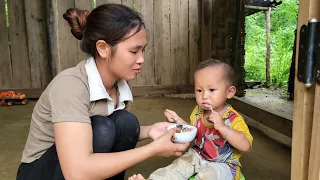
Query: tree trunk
<point>267,13</point>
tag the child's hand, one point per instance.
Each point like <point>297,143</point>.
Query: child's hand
<point>217,120</point>
<point>171,116</point>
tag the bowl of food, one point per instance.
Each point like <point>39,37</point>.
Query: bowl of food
<point>184,133</point>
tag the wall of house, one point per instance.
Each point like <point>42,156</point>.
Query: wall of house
<point>228,35</point>
<point>31,57</point>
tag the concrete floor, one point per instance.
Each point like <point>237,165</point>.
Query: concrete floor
<point>268,160</point>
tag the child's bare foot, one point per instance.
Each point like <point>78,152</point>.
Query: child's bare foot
<point>136,177</point>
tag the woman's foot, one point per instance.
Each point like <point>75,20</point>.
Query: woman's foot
<point>136,177</point>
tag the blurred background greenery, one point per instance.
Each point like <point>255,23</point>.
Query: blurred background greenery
<point>283,26</point>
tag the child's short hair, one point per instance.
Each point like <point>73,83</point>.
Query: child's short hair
<point>228,70</point>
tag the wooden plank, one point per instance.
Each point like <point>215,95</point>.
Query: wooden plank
<point>174,40</point>
<point>162,42</point>
<point>303,106</point>
<point>314,160</point>
<point>146,77</point>
<point>269,132</point>
<point>53,39</point>
<point>302,128</point>
<point>68,44</point>
<point>194,37</point>
<point>100,2</point>
<point>128,3</point>
<point>182,64</point>
<point>275,120</point>
<point>21,76</point>
<point>37,43</point>
<point>206,28</point>
<point>179,42</point>
<point>83,5</point>
<point>5,60</point>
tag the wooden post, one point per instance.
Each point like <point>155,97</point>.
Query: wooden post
<point>52,35</point>
<point>256,7</point>
<point>267,13</point>
<point>314,160</point>
<point>306,122</point>
<point>206,28</point>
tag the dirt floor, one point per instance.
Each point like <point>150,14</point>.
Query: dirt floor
<point>268,160</point>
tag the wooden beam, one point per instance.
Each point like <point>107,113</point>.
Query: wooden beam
<point>279,122</point>
<point>136,90</point>
<point>268,131</point>
<point>267,13</point>
<point>256,7</point>
<point>154,90</point>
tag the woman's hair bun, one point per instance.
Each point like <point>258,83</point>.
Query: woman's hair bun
<point>77,20</point>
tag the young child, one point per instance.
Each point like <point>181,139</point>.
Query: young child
<point>222,132</point>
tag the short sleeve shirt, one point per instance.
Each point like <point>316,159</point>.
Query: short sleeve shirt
<point>210,144</point>
<point>74,95</point>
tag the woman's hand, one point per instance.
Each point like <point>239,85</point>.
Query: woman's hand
<point>158,129</point>
<point>173,117</point>
<point>163,146</point>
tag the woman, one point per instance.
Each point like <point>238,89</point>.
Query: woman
<point>79,127</point>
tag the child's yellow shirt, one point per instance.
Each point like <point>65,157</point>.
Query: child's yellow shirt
<point>210,144</point>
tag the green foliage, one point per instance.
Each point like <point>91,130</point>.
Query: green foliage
<point>283,26</point>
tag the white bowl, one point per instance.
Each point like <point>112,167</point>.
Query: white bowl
<point>183,137</point>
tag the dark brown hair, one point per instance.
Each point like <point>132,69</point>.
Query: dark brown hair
<point>109,22</point>
<point>228,70</point>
